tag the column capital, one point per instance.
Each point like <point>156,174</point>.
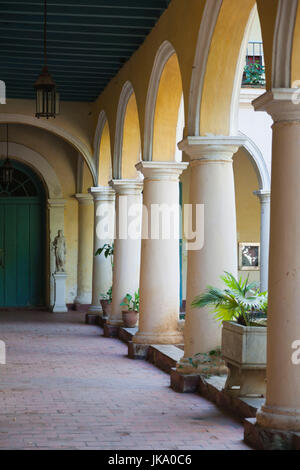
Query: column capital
<point>161,171</point>
<point>264,195</point>
<point>102,193</point>
<point>212,148</point>
<point>56,203</point>
<point>127,187</point>
<point>281,103</point>
<point>84,199</point>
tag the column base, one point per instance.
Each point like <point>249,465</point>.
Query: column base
<point>284,419</point>
<point>202,364</point>
<point>95,309</point>
<point>184,383</point>
<point>59,309</point>
<point>262,438</point>
<point>160,338</point>
<point>110,331</point>
<point>84,299</point>
<point>92,319</point>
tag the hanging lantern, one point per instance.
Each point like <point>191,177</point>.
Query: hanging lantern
<point>47,97</point>
<point>6,173</point>
<point>6,169</point>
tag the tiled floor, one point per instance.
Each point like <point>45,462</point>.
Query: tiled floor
<point>66,386</point>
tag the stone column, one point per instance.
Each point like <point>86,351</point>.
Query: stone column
<point>282,407</point>
<point>127,247</point>
<point>85,255</point>
<point>159,279</point>
<point>104,215</point>
<point>265,200</point>
<point>211,185</point>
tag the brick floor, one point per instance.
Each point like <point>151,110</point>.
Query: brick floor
<point>65,386</point>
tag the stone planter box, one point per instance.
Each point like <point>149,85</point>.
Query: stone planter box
<point>244,349</point>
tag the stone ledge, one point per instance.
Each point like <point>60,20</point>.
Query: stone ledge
<point>102,321</point>
<point>212,388</point>
<point>268,439</point>
<point>164,356</point>
<point>296,441</point>
<point>184,383</point>
<point>92,319</point>
<point>110,331</point>
<point>137,351</point>
<point>126,334</point>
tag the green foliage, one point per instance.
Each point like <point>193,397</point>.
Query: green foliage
<point>254,75</point>
<point>108,295</point>
<point>132,303</point>
<point>107,249</point>
<point>239,301</point>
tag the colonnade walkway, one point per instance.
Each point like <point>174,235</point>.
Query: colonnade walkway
<point>65,386</point>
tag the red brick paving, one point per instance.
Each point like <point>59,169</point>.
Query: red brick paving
<point>66,387</point>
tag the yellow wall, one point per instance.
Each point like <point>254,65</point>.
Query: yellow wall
<point>131,149</point>
<point>166,112</point>
<point>105,161</point>
<point>247,204</point>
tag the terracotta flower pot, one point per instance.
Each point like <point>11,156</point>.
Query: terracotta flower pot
<point>130,318</point>
<point>106,307</point>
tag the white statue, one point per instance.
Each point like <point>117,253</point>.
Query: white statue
<point>59,245</point>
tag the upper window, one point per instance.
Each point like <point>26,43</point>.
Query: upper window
<point>21,186</point>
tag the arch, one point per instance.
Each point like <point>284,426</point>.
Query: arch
<point>127,134</point>
<point>283,43</point>
<point>236,91</point>
<point>40,165</point>
<point>71,139</point>
<point>165,51</point>
<point>256,157</point>
<point>102,120</point>
<point>206,31</point>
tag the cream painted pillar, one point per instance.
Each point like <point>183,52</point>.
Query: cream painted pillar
<point>211,184</point>
<point>159,279</point>
<point>104,214</point>
<point>127,250</point>
<point>265,201</point>
<point>85,242</point>
<point>56,211</point>
<point>282,407</point>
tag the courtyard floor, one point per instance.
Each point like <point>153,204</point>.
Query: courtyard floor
<point>65,386</point>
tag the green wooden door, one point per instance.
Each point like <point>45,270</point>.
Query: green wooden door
<point>22,249</point>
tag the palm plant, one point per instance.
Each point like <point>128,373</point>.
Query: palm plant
<point>239,301</point>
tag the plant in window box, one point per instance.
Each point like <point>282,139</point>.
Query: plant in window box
<point>242,311</point>
<point>254,75</point>
<point>105,301</point>
<point>131,314</point>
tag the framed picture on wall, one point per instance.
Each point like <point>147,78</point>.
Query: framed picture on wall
<point>249,256</point>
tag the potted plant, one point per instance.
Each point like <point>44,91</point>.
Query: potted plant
<point>131,314</point>
<point>105,301</point>
<point>242,310</point>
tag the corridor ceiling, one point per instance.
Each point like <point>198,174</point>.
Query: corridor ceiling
<point>88,41</point>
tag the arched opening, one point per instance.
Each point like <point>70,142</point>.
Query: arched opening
<point>22,240</point>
